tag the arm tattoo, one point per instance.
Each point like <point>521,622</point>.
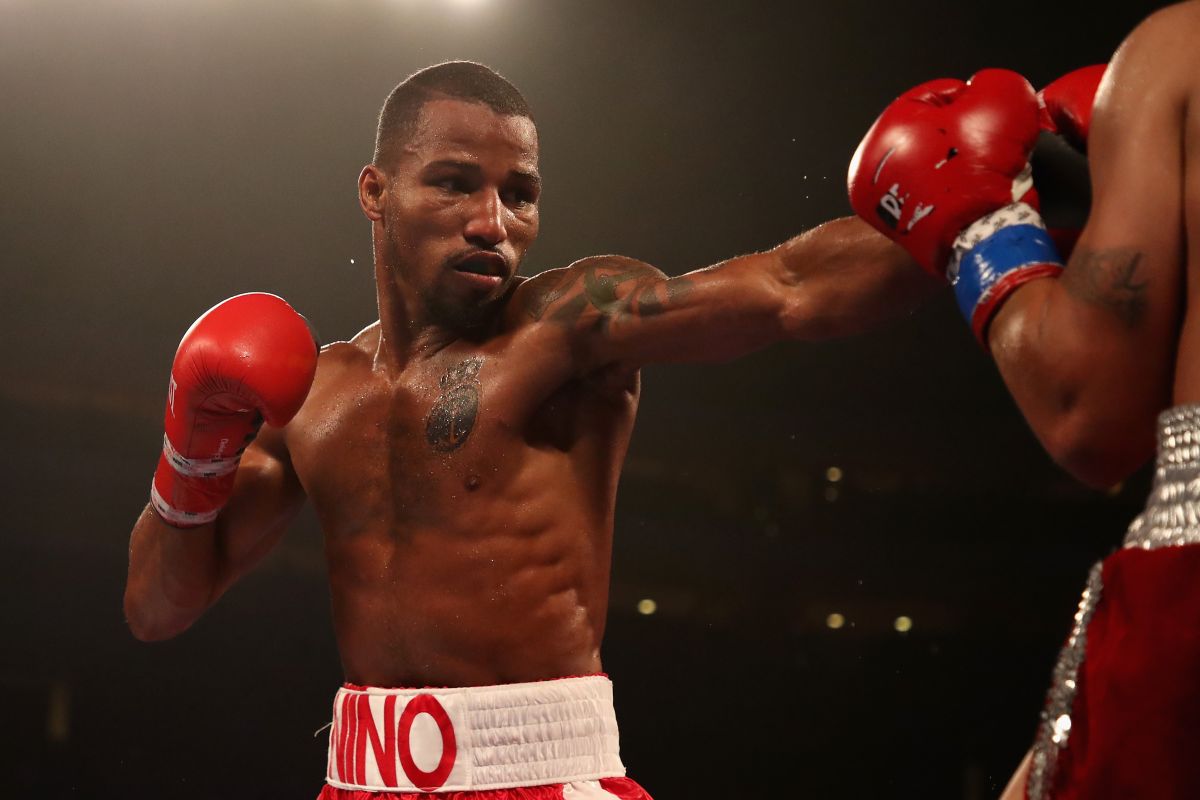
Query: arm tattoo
<point>595,287</point>
<point>678,288</point>
<point>648,303</point>
<point>541,299</point>
<point>453,415</point>
<point>1110,279</point>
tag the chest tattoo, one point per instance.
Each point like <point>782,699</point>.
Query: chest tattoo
<point>457,407</point>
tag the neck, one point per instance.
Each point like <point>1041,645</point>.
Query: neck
<point>405,330</point>
<point>408,329</point>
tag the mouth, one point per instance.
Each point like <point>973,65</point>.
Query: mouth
<point>483,269</point>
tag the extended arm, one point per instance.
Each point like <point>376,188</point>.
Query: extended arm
<point>1089,356</point>
<point>835,280</point>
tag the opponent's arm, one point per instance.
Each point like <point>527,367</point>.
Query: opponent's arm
<point>837,279</point>
<point>217,506</point>
<point>944,171</point>
<point>1089,356</point>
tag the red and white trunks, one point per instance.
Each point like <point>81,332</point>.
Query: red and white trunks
<point>548,740</point>
<point>1122,717</point>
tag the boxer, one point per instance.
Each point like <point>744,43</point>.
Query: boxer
<point>1092,350</point>
<point>462,453</point>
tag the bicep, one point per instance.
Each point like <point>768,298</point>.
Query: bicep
<point>1136,160</point>
<point>1124,281</point>
<point>1120,294</point>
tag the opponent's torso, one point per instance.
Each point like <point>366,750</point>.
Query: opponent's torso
<point>1187,68</point>
<point>467,503</point>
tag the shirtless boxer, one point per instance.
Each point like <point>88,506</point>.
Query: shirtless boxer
<point>463,452</point>
<point>1092,353</point>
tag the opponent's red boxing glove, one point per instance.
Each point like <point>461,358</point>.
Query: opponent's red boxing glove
<point>1065,105</point>
<point>941,156</point>
<point>248,359</point>
<point>1060,171</point>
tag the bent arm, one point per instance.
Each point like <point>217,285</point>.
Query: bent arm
<point>1015,790</point>
<point>838,279</point>
<point>176,575</point>
<point>1089,356</point>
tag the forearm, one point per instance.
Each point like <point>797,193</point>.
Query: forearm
<point>1089,387</point>
<point>172,579</point>
<point>843,278</point>
<point>1015,790</point>
<point>176,574</point>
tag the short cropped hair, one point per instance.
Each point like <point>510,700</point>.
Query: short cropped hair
<point>453,80</point>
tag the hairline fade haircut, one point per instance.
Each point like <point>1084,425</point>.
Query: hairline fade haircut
<point>451,80</point>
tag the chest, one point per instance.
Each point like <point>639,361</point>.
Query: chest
<point>432,432</point>
<point>448,435</point>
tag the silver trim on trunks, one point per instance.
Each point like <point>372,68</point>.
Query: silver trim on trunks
<point>1054,726</point>
<point>1172,514</point>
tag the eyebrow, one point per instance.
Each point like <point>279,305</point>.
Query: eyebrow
<point>468,166</point>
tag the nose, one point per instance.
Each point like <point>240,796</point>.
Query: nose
<point>485,220</point>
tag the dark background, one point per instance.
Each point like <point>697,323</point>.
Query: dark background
<point>157,157</point>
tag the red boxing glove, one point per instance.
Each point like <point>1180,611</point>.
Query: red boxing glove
<point>943,155</point>
<point>1061,172</point>
<point>248,359</point>
<point>1065,106</point>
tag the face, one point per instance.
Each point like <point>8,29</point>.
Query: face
<point>457,209</point>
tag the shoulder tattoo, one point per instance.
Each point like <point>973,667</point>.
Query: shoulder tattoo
<point>596,287</point>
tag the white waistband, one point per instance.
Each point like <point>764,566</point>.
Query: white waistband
<point>475,738</point>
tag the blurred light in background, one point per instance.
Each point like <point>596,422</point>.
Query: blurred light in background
<point>833,474</point>
<point>58,713</point>
<point>903,624</point>
<point>647,606</point>
<point>835,621</point>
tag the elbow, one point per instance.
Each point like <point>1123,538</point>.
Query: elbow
<point>1097,451</point>
<point>145,625</point>
<point>142,627</point>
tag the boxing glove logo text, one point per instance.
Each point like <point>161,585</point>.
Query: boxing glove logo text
<point>891,208</point>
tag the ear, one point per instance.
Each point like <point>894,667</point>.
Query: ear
<point>371,195</point>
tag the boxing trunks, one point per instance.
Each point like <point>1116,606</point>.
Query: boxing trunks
<point>548,740</point>
<point>1122,717</point>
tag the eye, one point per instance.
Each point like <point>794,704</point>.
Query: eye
<point>451,184</point>
<point>518,198</point>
